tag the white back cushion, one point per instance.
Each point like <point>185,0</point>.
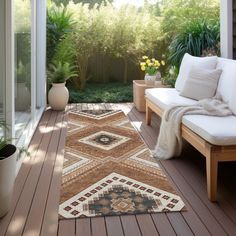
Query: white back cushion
<point>189,61</point>
<point>201,83</point>
<point>227,83</point>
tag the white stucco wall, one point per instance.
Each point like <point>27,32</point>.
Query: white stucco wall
<point>226,28</point>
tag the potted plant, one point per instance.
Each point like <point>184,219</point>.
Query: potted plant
<point>151,69</point>
<point>58,74</point>
<point>8,155</point>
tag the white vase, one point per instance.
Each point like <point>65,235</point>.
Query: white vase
<point>150,79</point>
<point>58,96</point>
<point>7,178</point>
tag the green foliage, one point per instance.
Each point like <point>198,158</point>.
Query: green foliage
<point>196,37</point>
<point>126,33</point>
<point>95,93</point>
<point>59,23</point>
<point>22,16</point>
<point>60,72</point>
<point>91,3</point>
<point>3,139</point>
<point>177,13</point>
<point>170,77</point>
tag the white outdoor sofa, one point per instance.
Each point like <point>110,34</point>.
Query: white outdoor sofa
<point>214,137</point>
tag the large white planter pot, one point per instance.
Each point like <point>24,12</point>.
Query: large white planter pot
<point>7,178</point>
<point>58,97</point>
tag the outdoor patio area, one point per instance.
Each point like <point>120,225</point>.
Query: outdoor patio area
<point>34,209</point>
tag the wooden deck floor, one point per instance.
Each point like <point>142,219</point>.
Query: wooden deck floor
<point>34,208</point>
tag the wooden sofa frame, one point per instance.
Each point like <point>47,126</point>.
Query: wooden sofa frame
<point>213,154</point>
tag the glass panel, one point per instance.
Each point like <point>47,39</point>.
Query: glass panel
<point>2,63</point>
<point>22,64</point>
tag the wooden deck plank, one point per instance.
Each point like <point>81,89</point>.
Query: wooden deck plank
<point>113,226</point>
<point>24,171</point>
<point>21,212</point>
<point>83,227</point>
<point>36,213</point>
<point>146,225</point>
<point>130,225</point>
<point>186,173</point>
<point>163,224</point>
<point>205,215</point>
<point>50,221</point>
<point>190,217</point>
<point>180,226</point>
<point>195,179</point>
<point>98,226</point>
<point>66,228</point>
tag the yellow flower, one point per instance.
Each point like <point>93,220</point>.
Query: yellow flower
<point>143,68</point>
<point>157,63</point>
<point>163,62</point>
<point>142,64</point>
<point>153,59</point>
<point>150,64</point>
<point>145,57</point>
<point>148,61</point>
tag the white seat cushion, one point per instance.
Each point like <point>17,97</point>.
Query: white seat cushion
<point>165,97</point>
<point>216,130</point>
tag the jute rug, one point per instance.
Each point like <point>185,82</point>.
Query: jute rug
<point>108,169</point>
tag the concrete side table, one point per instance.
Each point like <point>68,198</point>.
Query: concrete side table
<point>139,87</point>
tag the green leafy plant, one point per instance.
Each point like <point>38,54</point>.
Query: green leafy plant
<point>195,37</point>
<point>170,77</point>
<point>177,13</point>
<point>3,140</point>
<point>60,72</point>
<point>59,23</point>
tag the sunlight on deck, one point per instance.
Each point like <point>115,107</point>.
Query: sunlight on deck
<point>16,225</point>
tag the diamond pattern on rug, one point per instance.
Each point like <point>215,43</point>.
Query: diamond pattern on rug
<point>117,195</point>
<point>104,140</point>
<point>108,169</point>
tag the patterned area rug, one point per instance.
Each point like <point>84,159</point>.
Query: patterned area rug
<point>108,169</point>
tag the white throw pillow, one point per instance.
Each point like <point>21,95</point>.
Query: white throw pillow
<point>201,83</point>
<point>187,63</point>
<point>232,100</point>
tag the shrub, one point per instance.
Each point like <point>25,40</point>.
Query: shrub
<point>177,13</point>
<point>125,33</point>
<point>59,23</point>
<point>195,38</point>
<point>95,93</point>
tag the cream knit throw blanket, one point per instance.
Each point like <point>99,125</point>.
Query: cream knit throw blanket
<point>169,143</point>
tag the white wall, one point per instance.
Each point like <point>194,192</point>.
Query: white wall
<point>226,28</point>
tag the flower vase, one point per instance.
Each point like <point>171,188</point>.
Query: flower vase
<point>150,79</point>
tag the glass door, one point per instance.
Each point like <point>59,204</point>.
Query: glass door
<point>2,64</point>
<point>22,34</point>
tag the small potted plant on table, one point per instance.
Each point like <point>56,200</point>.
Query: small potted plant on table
<point>8,155</point>
<point>151,69</point>
<point>58,74</point>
